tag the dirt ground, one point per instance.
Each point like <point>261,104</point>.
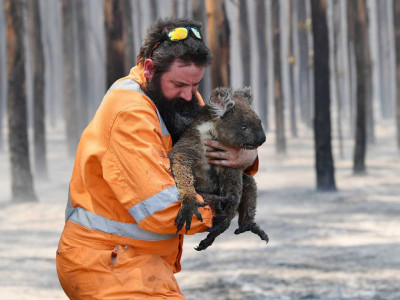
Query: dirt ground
<point>341,245</point>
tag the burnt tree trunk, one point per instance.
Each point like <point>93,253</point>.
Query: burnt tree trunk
<point>174,8</point>
<point>396,10</point>
<point>153,9</point>
<point>130,55</point>
<point>322,115</point>
<point>70,85</point>
<point>84,76</point>
<point>338,71</point>
<point>115,43</point>
<point>262,55</point>
<point>199,14</point>
<point>278,99</point>
<point>38,66</point>
<point>218,37</point>
<point>292,61</point>
<point>244,40</point>
<point>362,61</point>
<point>304,96</point>
<point>3,94</point>
<point>21,176</point>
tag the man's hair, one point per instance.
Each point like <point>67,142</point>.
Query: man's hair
<point>189,50</point>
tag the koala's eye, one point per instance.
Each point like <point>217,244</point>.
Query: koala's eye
<point>244,127</point>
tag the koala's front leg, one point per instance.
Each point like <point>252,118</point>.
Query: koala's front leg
<point>247,209</point>
<point>181,168</point>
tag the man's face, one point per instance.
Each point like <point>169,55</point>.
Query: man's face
<point>173,93</point>
<point>181,81</point>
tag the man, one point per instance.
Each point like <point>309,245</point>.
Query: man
<point>119,240</point>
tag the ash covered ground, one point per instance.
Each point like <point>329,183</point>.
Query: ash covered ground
<point>341,245</point>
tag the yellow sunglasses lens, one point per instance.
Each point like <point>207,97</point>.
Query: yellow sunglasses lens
<point>178,34</point>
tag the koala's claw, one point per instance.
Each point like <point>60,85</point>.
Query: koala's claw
<point>254,228</point>
<point>185,215</point>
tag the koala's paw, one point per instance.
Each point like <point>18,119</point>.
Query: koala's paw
<point>186,213</point>
<point>254,228</point>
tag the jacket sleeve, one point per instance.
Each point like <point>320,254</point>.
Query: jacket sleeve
<point>252,170</point>
<point>145,185</point>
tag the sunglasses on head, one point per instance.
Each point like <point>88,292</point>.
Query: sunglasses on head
<point>178,34</point>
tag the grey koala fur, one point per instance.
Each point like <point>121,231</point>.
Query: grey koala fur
<point>229,118</point>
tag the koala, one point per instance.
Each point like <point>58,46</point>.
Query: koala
<point>229,118</point>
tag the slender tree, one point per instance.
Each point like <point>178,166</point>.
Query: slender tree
<point>115,43</point>
<point>338,73</point>
<point>292,62</point>
<point>83,59</point>
<point>130,55</point>
<point>278,99</point>
<point>322,117</point>
<point>71,110</point>
<point>362,64</point>
<point>38,66</point>
<point>218,37</point>
<point>396,11</point>
<point>244,40</point>
<point>199,14</point>
<point>21,177</point>
<point>153,9</point>
<point>262,54</point>
<point>3,94</point>
<point>304,95</point>
<point>174,8</point>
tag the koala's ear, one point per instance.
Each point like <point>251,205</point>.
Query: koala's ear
<point>220,101</point>
<point>244,93</point>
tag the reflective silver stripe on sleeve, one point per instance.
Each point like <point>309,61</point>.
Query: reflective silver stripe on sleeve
<point>90,220</point>
<point>155,203</point>
<point>132,85</point>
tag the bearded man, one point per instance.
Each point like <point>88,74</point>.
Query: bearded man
<point>119,239</point>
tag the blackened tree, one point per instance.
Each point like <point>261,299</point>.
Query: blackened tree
<point>38,66</point>
<point>21,176</point>
<point>322,115</point>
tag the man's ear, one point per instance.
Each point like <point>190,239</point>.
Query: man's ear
<point>221,101</point>
<point>149,69</point>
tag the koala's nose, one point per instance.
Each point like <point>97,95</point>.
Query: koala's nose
<point>261,138</point>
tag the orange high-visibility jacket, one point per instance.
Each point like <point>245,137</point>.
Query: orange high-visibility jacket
<point>122,191</point>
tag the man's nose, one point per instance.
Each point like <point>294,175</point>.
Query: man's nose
<point>186,93</point>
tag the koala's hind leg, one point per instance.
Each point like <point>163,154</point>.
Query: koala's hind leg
<point>232,188</point>
<point>181,168</point>
<point>247,209</point>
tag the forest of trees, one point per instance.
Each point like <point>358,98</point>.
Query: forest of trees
<point>331,66</point>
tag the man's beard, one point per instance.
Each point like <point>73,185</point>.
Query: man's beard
<point>177,113</point>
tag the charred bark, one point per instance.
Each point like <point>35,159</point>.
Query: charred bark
<point>396,10</point>
<point>262,68</point>
<point>21,176</point>
<point>38,67</point>
<point>70,84</point>
<point>304,95</point>
<point>278,99</point>
<point>322,115</point>
<point>362,62</point>
<point>115,43</point>
<point>130,55</point>
<point>292,62</point>
<point>218,37</point>
<point>244,40</point>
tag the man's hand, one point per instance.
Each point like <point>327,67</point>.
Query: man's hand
<point>230,157</point>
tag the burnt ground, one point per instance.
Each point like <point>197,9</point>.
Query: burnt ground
<point>340,245</point>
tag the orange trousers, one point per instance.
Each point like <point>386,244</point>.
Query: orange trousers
<point>115,274</point>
